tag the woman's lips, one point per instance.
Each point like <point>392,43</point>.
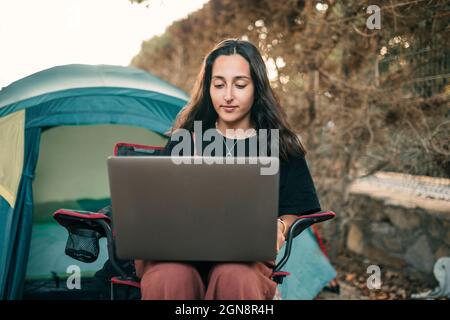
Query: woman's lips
<point>229,108</point>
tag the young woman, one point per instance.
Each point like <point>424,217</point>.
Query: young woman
<point>233,92</point>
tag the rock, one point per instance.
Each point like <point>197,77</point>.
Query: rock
<point>392,274</point>
<point>381,257</point>
<point>367,207</point>
<point>420,256</point>
<point>355,239</point>
<point>435,228</point>
<point>447,238</point>
<point>382,229</point>
<point>386,234</point>
<point>402,218</point>
<point>393,243</point>
<point>443,251</point>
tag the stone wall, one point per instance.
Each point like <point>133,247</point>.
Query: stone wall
<point>398,237</point>
<point>397,228</point>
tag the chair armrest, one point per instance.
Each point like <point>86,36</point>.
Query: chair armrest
<point>305,221</point>
<point>81,219</point>
<point>298,226</point>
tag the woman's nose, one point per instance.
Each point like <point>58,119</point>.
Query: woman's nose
<point>228,96</point>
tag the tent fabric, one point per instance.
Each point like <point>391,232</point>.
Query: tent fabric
<point>48,238</point>
<point>69,95</point>
<point>310,271</point>
<point>35,89</point>
<point>97,107</point>
<point>11,155</point>
<point>16,242</point>
<point>103,93</point>
<point>6,221</point>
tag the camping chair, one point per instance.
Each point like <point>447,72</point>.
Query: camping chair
<point>86,228</point>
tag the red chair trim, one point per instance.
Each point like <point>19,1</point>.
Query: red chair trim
<point>319,240</point>
<point>140,146</point>
<point>318,215</point>
<point>92,216</point>
<point>131,283</point>
<point>281,273</point>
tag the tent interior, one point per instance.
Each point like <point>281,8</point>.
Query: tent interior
<point>71,173</point>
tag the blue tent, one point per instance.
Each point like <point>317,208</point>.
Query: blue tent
<point>70,95</point>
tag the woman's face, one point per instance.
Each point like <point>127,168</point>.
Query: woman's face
<point>232,91</point>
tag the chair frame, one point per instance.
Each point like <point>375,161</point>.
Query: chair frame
<point>101,221</point>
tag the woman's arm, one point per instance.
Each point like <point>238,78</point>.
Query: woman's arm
<point>297,192</point>
<point>283,227</point>
<point>288,220</point>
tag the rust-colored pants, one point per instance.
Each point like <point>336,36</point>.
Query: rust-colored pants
<point>203,280</point>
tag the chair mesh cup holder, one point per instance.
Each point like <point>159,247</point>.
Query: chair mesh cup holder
<point>83,244</point>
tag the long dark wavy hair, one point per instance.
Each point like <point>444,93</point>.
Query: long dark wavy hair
<point>266,112</point>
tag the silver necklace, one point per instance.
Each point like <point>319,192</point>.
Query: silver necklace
<point>229,150</point>
<point>228,154</point>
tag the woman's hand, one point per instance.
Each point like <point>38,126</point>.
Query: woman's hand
<point>280,235</point>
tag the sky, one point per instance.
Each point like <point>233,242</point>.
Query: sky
<point>39,34</point>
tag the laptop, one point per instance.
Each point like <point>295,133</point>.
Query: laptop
<point>163,211</point>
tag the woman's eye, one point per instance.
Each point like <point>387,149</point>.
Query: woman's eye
<point>241,86</point>
<point>218,86</point>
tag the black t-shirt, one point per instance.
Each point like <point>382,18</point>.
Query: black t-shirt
<point>297,194</point>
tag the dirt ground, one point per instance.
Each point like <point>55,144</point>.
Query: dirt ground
<point>352,277</point>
